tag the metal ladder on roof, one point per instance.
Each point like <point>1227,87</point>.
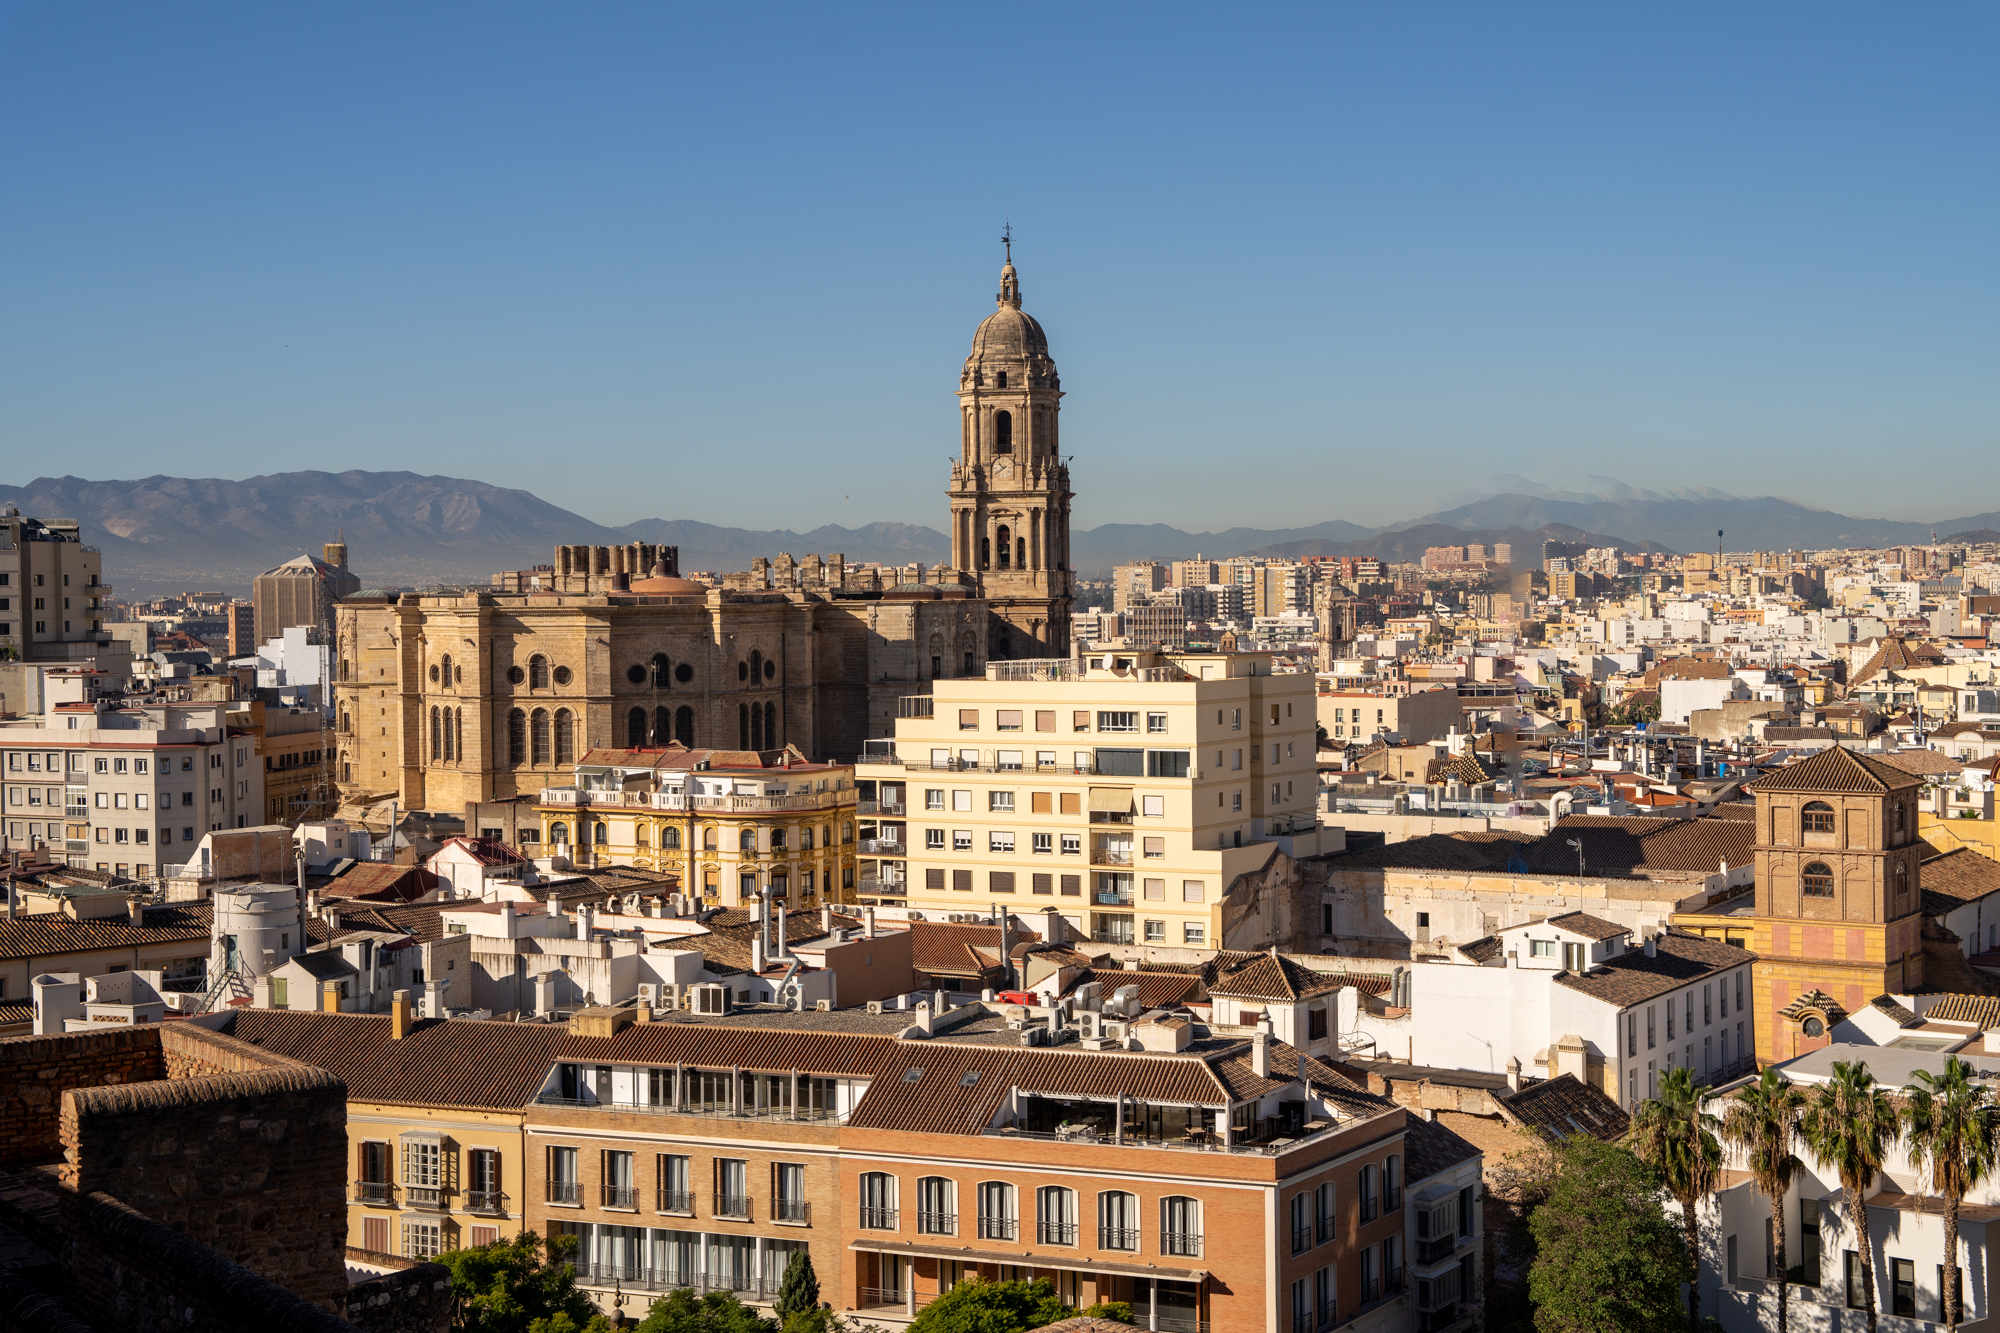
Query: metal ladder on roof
<point>228,986</point>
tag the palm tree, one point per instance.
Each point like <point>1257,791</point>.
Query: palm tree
<point>1951,1123</point>
<point>1849,1124</point>
<point>1763,1120</point>
<point>1676,1134</point>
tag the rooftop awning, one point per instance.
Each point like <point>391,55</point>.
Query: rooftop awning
<point>1029,1259</point>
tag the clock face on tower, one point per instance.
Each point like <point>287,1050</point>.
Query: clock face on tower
<point>1010,487</point>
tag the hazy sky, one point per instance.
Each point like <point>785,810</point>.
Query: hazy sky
<point>723,262</point>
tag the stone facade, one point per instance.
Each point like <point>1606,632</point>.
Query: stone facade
<point>37,1072</point>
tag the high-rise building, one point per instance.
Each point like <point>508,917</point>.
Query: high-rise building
<point>1195,573</point>
<point>52,593</point>
<point>242,630</point>
<point>302,591</point>
<point>1010,488</point>
<point>1132,585</point>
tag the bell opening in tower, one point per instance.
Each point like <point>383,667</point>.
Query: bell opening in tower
<point>1006,547</point>
<point>1003,430</point>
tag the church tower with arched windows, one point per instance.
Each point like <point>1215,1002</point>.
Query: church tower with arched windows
<point>1010,487</point>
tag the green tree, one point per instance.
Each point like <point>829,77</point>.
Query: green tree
<point>1607,1259</point>
<point>1849,1125</point>
<point>977,1306</point>
<point>512,1286</point>
<point>1763,1120</point>
<point>798,1289</point>
<point>1950,1122</point>
<point>1675,1134</point>
<point>682,1311</point>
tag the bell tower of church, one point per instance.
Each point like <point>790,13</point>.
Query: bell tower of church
<point>1010,488</point>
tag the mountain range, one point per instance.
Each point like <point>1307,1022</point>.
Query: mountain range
<point>169,534</point>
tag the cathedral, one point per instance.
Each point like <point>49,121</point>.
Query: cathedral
<point>484,694</point>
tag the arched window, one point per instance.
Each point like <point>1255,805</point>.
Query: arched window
<point>771,726</point>
<point>1817,817</point>
<point>743,726</point>
<point>998,1219</point>
<point>1180,1225</point>
<point>447,671</point>
<point>1055,1215</point>
<point>670,838</point>
<point>1817,880</point>
<point>1896,822</point>
<point>437,747</point>
<point>746,841</point>
<point>451,735</point>
<point>756,666</point>
<point>742,671</point>
<point>663,675</point>
<point>663,719</point>
<point>538,672</point>
<point>985,552</point>
<point>559,833</point>
<point>1003,432</point>
<point>708,838</point>
<point>635,729</point>
<point>684,725</point>
<point>806,838</point>
<point>601,834</point>
<point>343,721</point>
<point>1117,1220</point>
<point>878,1201</point>
<point>1006,547</point>
<point>565,737</point>
<point>538,737</point>
<point>517,738</point>
<point>937,1206</point>
<point>777,840</point>
<point>346,768</point>
<point>639,836</point>
<point>1902,881</point>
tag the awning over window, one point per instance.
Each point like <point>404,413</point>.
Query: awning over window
<point>1111,800</point>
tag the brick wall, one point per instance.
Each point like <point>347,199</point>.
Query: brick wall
<point>251,1164</point>
<point>413,1297</point>
<point>35,1072</point>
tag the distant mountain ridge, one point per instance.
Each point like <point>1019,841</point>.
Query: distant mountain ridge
<point>165,534</point>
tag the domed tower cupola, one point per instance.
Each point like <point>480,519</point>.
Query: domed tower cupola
<point>1010,488</point>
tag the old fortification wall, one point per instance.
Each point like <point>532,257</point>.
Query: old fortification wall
<point>35,1072</point>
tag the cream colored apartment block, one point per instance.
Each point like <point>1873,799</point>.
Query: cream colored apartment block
<point>1125,790</point>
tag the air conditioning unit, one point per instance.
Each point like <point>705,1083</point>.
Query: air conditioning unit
<point>874,1006</point>
<point>649,994</point>
<point>708,999</point>
<point>823,1006</point>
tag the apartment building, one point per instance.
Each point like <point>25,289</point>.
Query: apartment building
<point>737,823</point>
<point>1133,585</point>
<point>52,594</point>
<point>1217,1180</point>
<point>1353,717</point>
<point>1127,791</point>
<point>126,790</point>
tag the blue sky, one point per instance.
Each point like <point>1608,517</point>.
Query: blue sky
<point>723,262</point>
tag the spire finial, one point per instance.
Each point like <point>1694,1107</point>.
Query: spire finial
<point>1007,239</point>
<point>1010,286</point>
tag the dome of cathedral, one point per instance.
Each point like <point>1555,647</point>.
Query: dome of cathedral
<point>1009,333</point>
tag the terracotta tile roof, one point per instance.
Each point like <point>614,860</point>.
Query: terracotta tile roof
<point>1632,977</point>
<point>1639,844</point>
<point>1957,877</point>
<point>1897,654</point>
<point>1886,1004</point>
<point>1430,1149</point>
<point>382,881</point>
<point>1274,977</point>
<point>1983,1011</point>
<point>1923,763</point>
<point>1590,927</point>
<point>1743,810</point>
<point>1814,1000</point>
<point>953,949</point>
<point>1836,770</point>
<point>1689,668</point>
<point>440,1062</point>
<point>677,756</point>
<point>1777,735</point>
<point>485,851</point>
<point>1482,950</point>
<point>45,935</point>
<point>1945,969</point>
<point>1157,990</point>
<point>731,932</point>
<point>1563,1107</point>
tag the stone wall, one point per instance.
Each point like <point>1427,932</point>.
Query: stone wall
<point>414,1297</point>
<point>35,1072</point>
<point>252,1164</point>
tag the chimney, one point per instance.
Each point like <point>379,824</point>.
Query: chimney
<point>545,994</point>
<point>1260,1054</point>
<point>135,910</point>
<point>555,908</point>
<point>781,954</point>
<point>434,998</point>
<point>1652,946</point>
<point>868,923</point>
<point>825,919</point>
<point>507,920</point>
<point>757,953</point>
<point>1513,1073</point>
<point>583,915</point>
<point>399,1015</point>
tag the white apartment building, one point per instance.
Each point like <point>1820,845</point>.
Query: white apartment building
<point>1126,790</point>
<point>122,789</point>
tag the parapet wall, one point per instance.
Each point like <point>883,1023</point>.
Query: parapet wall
<point>35,1072</point>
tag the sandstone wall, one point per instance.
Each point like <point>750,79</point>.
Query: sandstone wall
<point>35,1072</point>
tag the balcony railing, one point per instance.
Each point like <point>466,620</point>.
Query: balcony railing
<point>882,888</point>
<point>1368,1208</point>
<point>1112,935</point>
<point>937,1224</point>
<point>423,1196</point>
<point>791,1210</point>
<point>1111,898</point>
<point>1392,1199</point>
<point>737,1113</point>
<point>884,847</point>
<point>1186,1244</point>
<point>620,1196</point>
<point>746,1285</point>
<point>878,1219</point>
<point>1438,1320</point>
<point>881,1296</point>
<point>674,1201</point>
<point>881,808</point>
<point>1111,856</point>
<point>1436,1248</point>
<point>1117,1238</point>
<point>999,1228</point>
<point>1302,1239</point>
<point>660,800</point>
<point>1323,1229</point>
<point>374,1191</point>
<point>733,1205</point>
<point>485,1201</point>
<point>565,1191</point>
<point>1055,1233</point>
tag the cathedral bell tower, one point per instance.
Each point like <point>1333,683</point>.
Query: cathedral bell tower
<point>1010,489</point>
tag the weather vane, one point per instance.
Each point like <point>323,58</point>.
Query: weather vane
<point>1007,239</point>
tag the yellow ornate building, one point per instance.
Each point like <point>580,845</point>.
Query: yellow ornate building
<point>731,823</point>
<point>1839,907</point>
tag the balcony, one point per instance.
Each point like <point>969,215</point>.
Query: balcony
<point>896,808</point>
<point>1111,856</point>
<point>1435,1249</point>
<point>620,1196</point>
<point>376,1192</point>
<point>1302,1239</point>
<point>878,1219</point>
<point>663,1108</point>
<point>1437,1321</point>
<point>1117,1238</point>
<point>565,1191</point>
<point>1055,1233</point>
<point>674,1201</point>
<point>1368,1208</point>
<point>1392,1199</point>
<point>882,888</point>
<point>999,1228</point>
<point>937,1224</point>
<point>1112,898</point>
<point>737,1206</point>
<point>1185,1244</point>
<point>884,847</point>
<point>423,1196</point>
<point>485,1201</point>
<point>791,1210</point>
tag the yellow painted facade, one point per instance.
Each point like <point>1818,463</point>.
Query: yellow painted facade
<point>429,1179</point>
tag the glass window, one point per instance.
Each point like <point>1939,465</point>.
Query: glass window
<point>1156,722</point>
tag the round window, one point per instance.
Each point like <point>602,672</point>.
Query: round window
<point>434,674</point>
<point>684,673</point>
<point>637,675</point>
<point>515,675</point>
<point>770,670</point>
<point>1813,1027</point>
<point>562,675</point>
